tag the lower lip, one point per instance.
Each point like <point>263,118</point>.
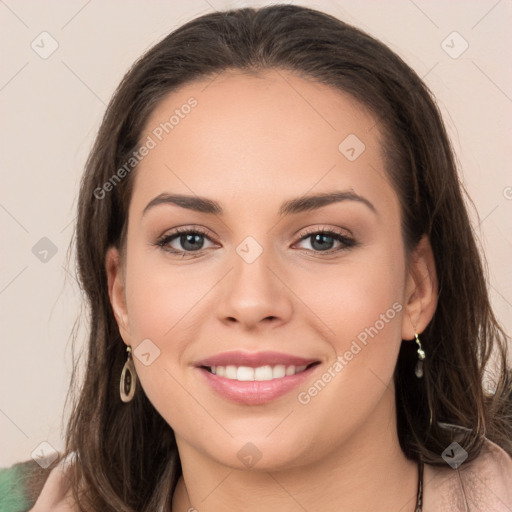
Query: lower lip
<point>255,392</point>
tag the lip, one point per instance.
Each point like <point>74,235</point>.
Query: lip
<point>254,360</point>
<point>255,392</point>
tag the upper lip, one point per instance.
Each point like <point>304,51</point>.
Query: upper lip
<point>255,359</point>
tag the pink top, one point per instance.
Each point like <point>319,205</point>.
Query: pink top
<point>483,485</point>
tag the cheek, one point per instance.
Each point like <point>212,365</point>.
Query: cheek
<point>360,298</point>
<point>160,303</point>
<point>364,315</point>
<point>161,299</point>
<point>165,305</point>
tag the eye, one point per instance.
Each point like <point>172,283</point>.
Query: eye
<point>188,241</point>
<point>322,241</point>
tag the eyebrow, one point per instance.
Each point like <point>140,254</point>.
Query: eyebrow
<point>290,207</point>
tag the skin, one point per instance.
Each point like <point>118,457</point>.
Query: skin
<point>251,143</point>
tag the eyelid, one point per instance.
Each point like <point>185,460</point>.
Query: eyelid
<point>325,229</point>
<point>181,230</point>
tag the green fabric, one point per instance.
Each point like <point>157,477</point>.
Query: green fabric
<point>13,495</point>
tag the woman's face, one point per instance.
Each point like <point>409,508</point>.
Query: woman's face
<point>272,270</point>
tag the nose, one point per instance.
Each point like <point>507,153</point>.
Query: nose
<point>254,294</point>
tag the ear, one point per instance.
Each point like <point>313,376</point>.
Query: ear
<point>116,291</point>
<point>421,290</point>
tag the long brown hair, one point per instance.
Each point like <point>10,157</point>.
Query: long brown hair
<point>127,458</point>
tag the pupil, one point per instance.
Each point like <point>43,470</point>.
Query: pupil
<point>189,239</point>
<point>322,240</point>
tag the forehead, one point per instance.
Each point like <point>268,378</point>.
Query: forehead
<point>266,135</point>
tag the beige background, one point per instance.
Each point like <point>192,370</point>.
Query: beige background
<point>51,108</point>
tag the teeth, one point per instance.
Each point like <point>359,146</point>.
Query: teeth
<point>279,371</point>
<point>246,373</point>
<point>231,372</point>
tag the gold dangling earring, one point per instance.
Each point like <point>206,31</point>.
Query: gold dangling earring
<point>418,371</point>
<point>128,381</point>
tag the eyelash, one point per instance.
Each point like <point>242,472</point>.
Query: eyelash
<point>346,241</point>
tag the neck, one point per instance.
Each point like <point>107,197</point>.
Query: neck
<point>368,471</point>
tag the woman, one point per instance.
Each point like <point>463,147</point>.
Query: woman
<point>288,308</point>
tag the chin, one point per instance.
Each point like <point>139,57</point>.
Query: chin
<point>261,453</point>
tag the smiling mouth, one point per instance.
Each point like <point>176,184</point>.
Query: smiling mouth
<point>259,374</point>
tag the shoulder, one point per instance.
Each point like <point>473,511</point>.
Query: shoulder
<point>23,484</point>
<point>56,495</point>
<point>485,483</point>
